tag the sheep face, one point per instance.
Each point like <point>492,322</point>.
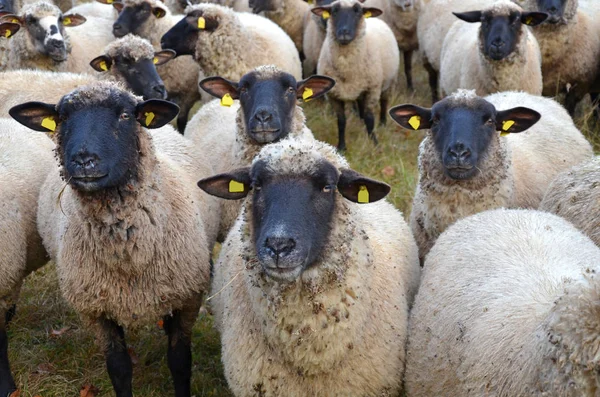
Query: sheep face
<point>183,36</point>
<point>501,28</point>
<point>555,9</point>
<point>405,5</point>
<point>97,133</point>
<point>346,19</point>
<point>463,128</point>
<point>268,120</point>
<point>7,6</point>
<point>133,17</point>
<point>259,6</point>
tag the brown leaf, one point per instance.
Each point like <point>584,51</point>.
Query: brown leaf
<point>16,393</point>
<point>60,332</point>
<point>88,391</point>
<point>160,324</point>
<point>388,171</point>
<point>134,357</point>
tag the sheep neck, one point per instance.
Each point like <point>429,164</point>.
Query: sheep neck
<point>506,74</point>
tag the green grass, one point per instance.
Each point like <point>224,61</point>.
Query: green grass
<point>50,366</point>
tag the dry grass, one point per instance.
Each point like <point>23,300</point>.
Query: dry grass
<point>51,366</point>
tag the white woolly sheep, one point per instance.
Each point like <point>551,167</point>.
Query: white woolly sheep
<point>361,54</point>
<point>179,6</point>
<point>325,284</point>
<point>234,133</point>
<point>130,60</point>
<point>494,52</point>
<point>575,195</point>
<point>230,44</point>
<point>97,9</point>
<point>435,20</point>
<point>129,232</point>
<point>26,158</point>
<point>466,166</point>
<point>570,46</point>
<point>151,19</point>
<point>312,40</point>
<point>508,306</point>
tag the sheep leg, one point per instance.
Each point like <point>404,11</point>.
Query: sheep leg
<point>408,69</point>
<point>338,107</point>
<point>10,313</point>
<point>360,102</point>
<point>118,362</point>
<point>7,383</point>
<point>571,100</point>
<point>433,81</point>
<point>383,104</point>
<point>182,118</point>
<point>370,124</point>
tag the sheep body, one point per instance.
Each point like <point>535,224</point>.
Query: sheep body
<point>95,9</point>
<point>575,196</point>
<point>312,41</point>
<point>292,16</point>
<point>345,318</point>
<point>514,314</point>
<point>516,171</point>
<point>463,65</point>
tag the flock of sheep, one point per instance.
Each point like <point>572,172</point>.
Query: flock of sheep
<point>321,288</point>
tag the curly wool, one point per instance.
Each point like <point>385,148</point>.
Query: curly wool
<point>341,326</point>
<point>130,47</point>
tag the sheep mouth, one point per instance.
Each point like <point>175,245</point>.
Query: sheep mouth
<point>265,135</point>
<point>283,274</point>
<point>461,172</point>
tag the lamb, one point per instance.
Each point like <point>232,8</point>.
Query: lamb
<point>129,233</point>
<point>494,52</point>
<point>515,314</point>
<point>291,15</point>
<point>466,166</point>
<point>151,19</point>
<point>326,284</point>
<point>575,195</point>
<point>229,44</point>
<point>570,46</point>
<point>21,249</point>
<point>130,60</point>
<point>235,134</point>
<point>435,20</point>
<point>362,56</point>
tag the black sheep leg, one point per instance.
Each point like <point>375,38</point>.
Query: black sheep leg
<point>178,328</point>
<point>7,383</point>
<point>433,81</point>
<point>408,70</point>
<point>338,107</point>
<point>370,124</point>
<point>118,362</point>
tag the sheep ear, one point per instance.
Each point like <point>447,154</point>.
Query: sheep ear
<point>218,87</point>
<point>202,23</point>
<point>411,117</point>
<point>118,6</point>
<point>314,87</point>
<point>471,16</point>
<point>533,18</point>
<point>12,18</point>
<point>516,120</point>
<point>154,113</point>
<point>159,12</point>
<point>38,116</point>
<point>323,12</point>
<point>72,20</point>
<point>360,189</point>
<point>106,1</point>
<point>234,185</point>
<point>371,12</point>
<point>162,57</point>
<point>8,29</point>
<point>102,63</point>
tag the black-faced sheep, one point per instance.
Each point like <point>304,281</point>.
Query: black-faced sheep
<point>325,284</point>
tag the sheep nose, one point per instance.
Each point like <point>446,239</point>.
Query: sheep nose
<point>56,44</point>
<point>85,161</point>
<point>263,116</point>
<point>498,42</point>
<point>279,246</point>
<point>459,152</point>
<point>118,30</point>
<point>552,10</point>
<point>160,91</point>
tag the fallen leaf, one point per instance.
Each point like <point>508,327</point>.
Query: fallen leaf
<point>160,324</point>
<point>134,357</point>
<point>45,368</point>
<point>60,332</point>
<point>88,391</point>
<point>16,393</point>
<point>388,170</point>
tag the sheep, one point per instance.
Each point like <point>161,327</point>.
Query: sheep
<point>25,159</point>
<point>362,56</point>
<point>466,166</point>
<point>151,19</point>
<point>494,52</point>
<point>229,44</point>
<point>326,284</point>
<point>130,60</point>
<point>235,134</point>
<point>128,232</point>
<point>312,40</point>
<point>291,15</point>
<point>96,8</point>
<point>575,195</point>
<point>178,6</point>
<point>434,22</point>
<point>514,313</point>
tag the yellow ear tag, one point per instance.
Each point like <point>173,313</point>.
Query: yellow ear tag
<point>325,15</point>
<point>7,33</point>
<point>310,2</point>
<point>367,14</point>
<point>103,66</point>
<point>236,187</point>
<point>155,60</point>
<point>201,23</point>
<point>506,126</point>
<point>306,95</point>
<point>49,123</point>
<point>67,21</point>
<point>528,20</point>
<point>149,118</point>
<point>363,194</point>
<point>227,100</point>
<point>415,122</point>
<point>109,1</point>
<point>15,20</point>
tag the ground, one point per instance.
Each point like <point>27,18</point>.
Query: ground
<point>52,355</point>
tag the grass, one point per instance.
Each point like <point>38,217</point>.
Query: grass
<point>51,365</point>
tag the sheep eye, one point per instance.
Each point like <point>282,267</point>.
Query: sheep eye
<point>489,121</point>
<point>328,189</point>
<point>243,90</point>
<point>256,187</point>
<point>291,90</point>
<point>124,116</point>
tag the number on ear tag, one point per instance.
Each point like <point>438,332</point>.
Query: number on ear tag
<point>236,187</point>
<point>149,118</point>
<point>227,100</point>
<point>415,122</point>
<point>49,123</point>
<point>307,94</point>
<point>201,23</point>
<point>363,194</point>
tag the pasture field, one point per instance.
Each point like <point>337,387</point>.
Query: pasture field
<point>53,356</point>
